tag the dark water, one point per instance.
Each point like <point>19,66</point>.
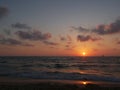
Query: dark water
<point>62,68</point>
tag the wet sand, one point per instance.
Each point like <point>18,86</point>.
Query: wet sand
<point>7,83</point>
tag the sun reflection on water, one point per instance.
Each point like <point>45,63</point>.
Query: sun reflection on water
<point>84,82</point>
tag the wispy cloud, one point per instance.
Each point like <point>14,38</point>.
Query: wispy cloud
<point>21,26</point>
<point>69,47</point>
<point>66,38</point>
<point>69,38</point>
<point>62,38</point>
<point>80,29</point>
<point>11,41</point>
<point>68,44</point>
<point>50,43</point>
<point>3,11</point>
<point>33,35</point>
<point>28,45</point>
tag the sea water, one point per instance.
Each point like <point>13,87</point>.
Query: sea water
<point>62,68</point>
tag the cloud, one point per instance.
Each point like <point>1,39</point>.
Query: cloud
<point>68,41</point>
<point>118,42</point>
<point>112,28</point>
<point>20,26</point>
<point>10,41</point>
<point>50,43</point>
<point>80,29</point>
<point>67,38</point>
<point>3,11</point>
<point>27,44</point>
<point>83,38</point>
<point>69,47</point>
<point>101,29</point>
<point>33,35</point>
<point>62,38</point>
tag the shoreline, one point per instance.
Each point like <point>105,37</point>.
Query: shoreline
<point>7,83</point>
<point>12,80</point>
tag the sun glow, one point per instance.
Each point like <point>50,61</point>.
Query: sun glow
<point>83,53</point>
<point>84,83</point>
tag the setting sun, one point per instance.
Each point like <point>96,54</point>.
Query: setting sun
<point>84,53</point>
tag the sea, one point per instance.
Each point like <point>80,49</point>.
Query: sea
<point>61,68</point>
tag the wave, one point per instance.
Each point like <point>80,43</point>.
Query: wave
<point>61,76</point>
<point>66,68</point>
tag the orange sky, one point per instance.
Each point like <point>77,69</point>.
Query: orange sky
<point>60,28</point>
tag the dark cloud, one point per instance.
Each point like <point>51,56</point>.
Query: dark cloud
<point>108,29</point>
<point>50,43</point>
<point>62,38</point>
<point>33,35</point>
<point>3,11</point>
<point>101,29</point>
<point>83,38</point>
<point>10,41</point>
<point>118,42</point>
<point>20,26</point>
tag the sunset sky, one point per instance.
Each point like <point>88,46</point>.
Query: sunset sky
<point>59,27</point>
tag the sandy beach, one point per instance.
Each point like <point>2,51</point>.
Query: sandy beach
<point>7,83</point>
